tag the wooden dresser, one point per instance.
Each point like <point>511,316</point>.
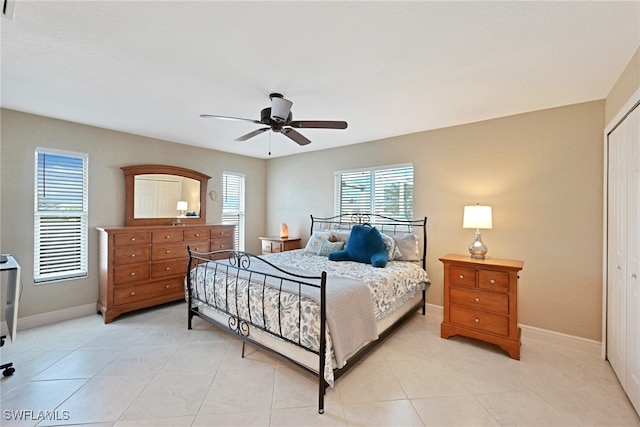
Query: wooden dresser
<point>143,266</point>
<point>279,244</point>
<point>481,300</point>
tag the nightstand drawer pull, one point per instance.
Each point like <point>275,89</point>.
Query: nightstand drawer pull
<point>132,293</point>
<point>492,281</point>
<point>167,252</point>
<point>133,273</point>
<point>197,234</point>
<point>461,276</point>
<point>167,286</point>
<point>167,236</point>
<point>477,320</point>
<point>133,255</point>
<point>477,299</point>
<point>133,239</point>
<point>168,268</point>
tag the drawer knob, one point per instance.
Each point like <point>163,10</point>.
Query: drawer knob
<point>133,239</point>
<point>461,276</point>
<point>133,273</point>
<point>167,286</point>
<point>477,299</point>
<point>492,281</point>
<point>167,268</point>
<point>477,320</point>
<point>167,236</point>
<point>197,234</point>
<point>133,255</point>
<point>132,293</point>
<point>167,252</point>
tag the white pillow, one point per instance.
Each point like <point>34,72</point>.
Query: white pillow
<point>316,239</point>
<point>327,246</point>
<point>408,245</point>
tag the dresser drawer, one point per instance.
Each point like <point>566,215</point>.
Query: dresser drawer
<point>169,251</point>
<point>198,246</point>
<point>167,236</point>
<point>127,294</point>
<point>493,280</point>
<point>196,234</point>
<point>222,232</point>
<point>221,244</point>
<point>479,320</point>
<point>130,273</point>
<point>133,238</point>
<point>131,255</point>
<point>169,268</point>
<point>482,300</point>
<point>462,276</point>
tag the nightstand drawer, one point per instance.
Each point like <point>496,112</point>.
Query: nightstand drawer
<point>462,276</point>
<point>481,300</point>
<point>493,280</point>
<point>480,320</point>
<point>269,246</point>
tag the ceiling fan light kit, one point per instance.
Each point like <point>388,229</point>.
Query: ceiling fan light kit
<point>278,118</point>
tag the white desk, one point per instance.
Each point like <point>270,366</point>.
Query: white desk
<point>11,308</point>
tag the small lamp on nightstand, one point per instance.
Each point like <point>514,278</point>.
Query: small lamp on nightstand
<point>478,217</point>
<point>284,231</point>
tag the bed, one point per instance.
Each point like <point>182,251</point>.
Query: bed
<point>318,313</point>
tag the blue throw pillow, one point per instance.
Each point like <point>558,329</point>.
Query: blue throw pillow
<point>365,245</point>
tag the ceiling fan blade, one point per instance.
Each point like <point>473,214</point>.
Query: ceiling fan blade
<point>211,116</point>
<point>296,136</point>
<point>280,109</point>
<point>251,134</point>
<point>318,124</point>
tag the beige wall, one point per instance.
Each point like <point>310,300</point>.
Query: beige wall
<point>625,86</point>
<point>108,151</point>
<point>541,172</point>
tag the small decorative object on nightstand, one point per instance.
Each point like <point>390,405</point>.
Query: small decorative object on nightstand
<point>481,300</point>
<point>279,244</point>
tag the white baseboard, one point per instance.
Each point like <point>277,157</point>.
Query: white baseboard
<point>531,333</point>
<point>52,317</point>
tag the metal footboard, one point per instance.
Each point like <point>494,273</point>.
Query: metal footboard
<point>233,271</point>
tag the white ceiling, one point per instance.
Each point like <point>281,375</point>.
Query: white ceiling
<point>387,68</point>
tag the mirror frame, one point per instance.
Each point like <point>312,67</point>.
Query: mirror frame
<point>130,173</point>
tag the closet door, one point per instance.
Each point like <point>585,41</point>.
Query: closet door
<point>633,258</point>
<point>617,255</point>
<point>623,252</point>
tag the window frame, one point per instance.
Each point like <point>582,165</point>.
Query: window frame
<point>371,206</point>
<point>240,212</point>
<point>77,229</point>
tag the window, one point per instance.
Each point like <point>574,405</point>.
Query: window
<point>61,215</point>
<point>233,204</point>
<point>386,190</point>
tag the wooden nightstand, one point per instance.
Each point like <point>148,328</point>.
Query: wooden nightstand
<point>279,244</point>
<point>481,300</point>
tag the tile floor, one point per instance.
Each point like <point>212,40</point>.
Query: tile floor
<point>146,369</point>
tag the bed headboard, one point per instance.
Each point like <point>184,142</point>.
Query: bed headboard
<point>385,224</point>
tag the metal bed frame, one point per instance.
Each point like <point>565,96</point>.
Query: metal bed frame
<point>235,265</point>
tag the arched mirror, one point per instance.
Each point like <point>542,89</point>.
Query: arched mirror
<point>164,195</point>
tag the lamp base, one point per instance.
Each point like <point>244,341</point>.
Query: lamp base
<point>477,249</point>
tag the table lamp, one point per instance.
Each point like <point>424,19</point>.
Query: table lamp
<point>478,217</point>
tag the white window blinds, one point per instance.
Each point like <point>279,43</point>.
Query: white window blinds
<point>61,215</point>
<point>387,191</point>
<point>233,205</point>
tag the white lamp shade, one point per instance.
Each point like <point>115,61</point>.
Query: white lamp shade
<point>477,217</point>
<point>182,205</point>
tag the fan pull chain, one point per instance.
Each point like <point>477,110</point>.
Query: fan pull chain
<point>270,142</point>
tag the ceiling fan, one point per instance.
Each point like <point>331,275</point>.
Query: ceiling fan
<point>278,118</point>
